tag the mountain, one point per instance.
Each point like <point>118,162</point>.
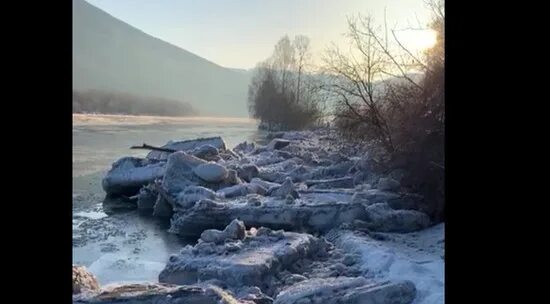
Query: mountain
<point>111,55</point>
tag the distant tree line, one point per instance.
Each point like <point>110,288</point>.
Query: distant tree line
<point>96,101</point>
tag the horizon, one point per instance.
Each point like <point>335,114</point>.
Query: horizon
<point>245,45</point>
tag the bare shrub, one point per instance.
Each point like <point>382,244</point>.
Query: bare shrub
<point>390,97</point>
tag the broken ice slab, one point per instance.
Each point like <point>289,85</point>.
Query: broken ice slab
<point>347,290</point>
<point>268,212</point>
<point>251,261</point>
<point>128,174</point>
<point>146,293</point>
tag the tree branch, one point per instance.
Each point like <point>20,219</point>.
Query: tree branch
<point>149,147</point>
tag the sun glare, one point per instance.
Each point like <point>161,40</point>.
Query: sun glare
<point>417,40</point>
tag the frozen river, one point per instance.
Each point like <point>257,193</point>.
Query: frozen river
<point>125,246</point>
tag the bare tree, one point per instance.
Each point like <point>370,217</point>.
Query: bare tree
<point>363,80</point>
<point>354,75</point>
<point>390,96</point>
<point>301,45</point>
<point>281,93</point>
<point>283,59</point>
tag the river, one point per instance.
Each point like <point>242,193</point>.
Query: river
<point>126,247</point>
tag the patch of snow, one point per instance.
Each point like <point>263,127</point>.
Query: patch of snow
<point>417,257</point>
<point>90,214</point>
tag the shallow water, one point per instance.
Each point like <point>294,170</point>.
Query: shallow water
<point>126,246</point>
<point>98,140</point>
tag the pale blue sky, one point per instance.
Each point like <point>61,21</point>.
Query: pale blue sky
<point>240,33</point>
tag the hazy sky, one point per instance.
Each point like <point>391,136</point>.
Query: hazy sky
<point>240,33</point>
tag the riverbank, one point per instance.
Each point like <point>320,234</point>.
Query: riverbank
<point>363,228</point>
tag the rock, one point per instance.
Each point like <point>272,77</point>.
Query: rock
<point>83,280</point>
<point>158,293</point>
<point>188,146</point>
<point>273,213</point>
<point>380,217</point>
<point>248,172</point>
<point>128,174</point>
<point>211,172</point>
<point>259,258</point>
<point>388,184</point>
<point>277,144</point>
<point>343,182</point>
<point>287,188</point>
<point>347,290</point>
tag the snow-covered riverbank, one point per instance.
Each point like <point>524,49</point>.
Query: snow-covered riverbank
<point>380,246</point>
<point>417,256</point>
